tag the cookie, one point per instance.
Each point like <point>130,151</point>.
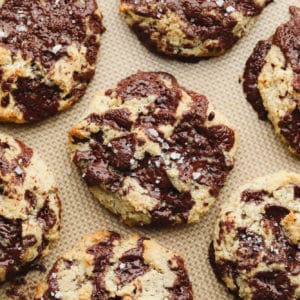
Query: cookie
<point>190,29</point>
<point>272,80</point>
<point>106,266</point>
<point>255,249</point>
<point>152,151</point>
<point>29,207</point>
<point>48,52</point>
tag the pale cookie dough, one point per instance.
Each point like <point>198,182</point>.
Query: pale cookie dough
<point>106,266</point>
<point>191,28</point>
<point>153,152</point>
<point>48,52</point>
<point>255,249</point>
<point>29,207</point>
<point>272,80</point>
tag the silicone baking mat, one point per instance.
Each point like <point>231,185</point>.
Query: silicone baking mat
<point>260,151</point>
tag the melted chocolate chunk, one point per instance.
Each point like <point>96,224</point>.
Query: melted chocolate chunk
<point>250,247</point>
<point>123,151</point>
<point>182,288</point>
<point>35,99</point>
<point>203,154</point>
<point>37,27</point>
<point>102,252</point>
<point>281,250</point>
<point>253,68</point>
<point>132,264</point>
<point>272,285</point>
<point>142,85</point>
<point>287,39</point>
<point>47,217</point>
<point>118,119</point>
<point>115,118</point>
<point>222,136</point>
<point>254,196</point>
<point>155,179</point>
<point>197,114</point>
<point>290,128</point>
<point>98,173</point>
<point>276,213</point>
<point>95,168</point>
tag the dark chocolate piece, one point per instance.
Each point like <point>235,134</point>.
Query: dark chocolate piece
<point>254,196</point>
<point>253,68</point>
<point>132,264</point>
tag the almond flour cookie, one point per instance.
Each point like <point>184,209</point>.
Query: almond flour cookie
<point>191,28</point>
<point>48,51</point>
<point>152,151</point>
<point>272,80</point>
<point>29,207</point>
<point>106,266</point>
<point>255,249</point>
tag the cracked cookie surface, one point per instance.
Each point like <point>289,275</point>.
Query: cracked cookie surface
<point>191,28</point>
<point>272,80</point>
<point>29,207</point>
<point>48,52</point>
<point>106,266</point>
<point>255,249</point>
<point>153,152</point>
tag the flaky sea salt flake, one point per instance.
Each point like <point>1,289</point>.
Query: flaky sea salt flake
<point>21,28</point>
<point>175,155</point>
<point>230,9</point>
<point>196,175</point>
<point>18,170</point>
<point>220,2</point>
<point>56,48</point>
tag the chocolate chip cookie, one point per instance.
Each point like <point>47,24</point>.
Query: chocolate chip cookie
<point>48,52</point>
<point>272,80</point>
<point>255,249</point>
<point>29,207</point>
<point>152,151</point>
<point>106,266</point>
<point>191,28</point>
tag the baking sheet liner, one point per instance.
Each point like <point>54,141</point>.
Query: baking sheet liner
<point>260,151</point>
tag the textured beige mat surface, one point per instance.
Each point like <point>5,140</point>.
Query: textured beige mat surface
<point>260,151</point>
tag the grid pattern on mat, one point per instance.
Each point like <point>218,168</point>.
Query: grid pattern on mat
<point>260,151</point>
